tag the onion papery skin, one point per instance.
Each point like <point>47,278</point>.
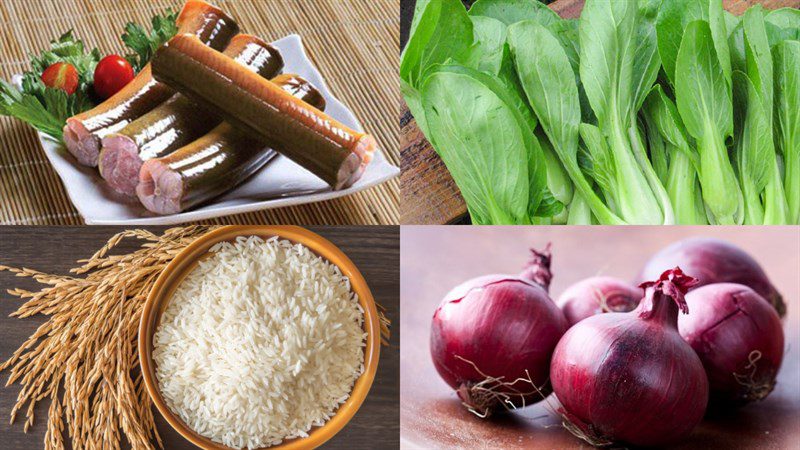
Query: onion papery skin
<point>597,295</point>
<point>738,337</point>
<point>629,378</point>
<point>714,261</point>
<point>499,326</point>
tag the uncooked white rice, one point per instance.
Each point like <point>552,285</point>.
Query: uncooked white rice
<point>260,342</point>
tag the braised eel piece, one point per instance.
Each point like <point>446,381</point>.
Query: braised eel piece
<point>176,122</point>
<point>213,164</point>
<point>321,144</point>
<point>83,132</point>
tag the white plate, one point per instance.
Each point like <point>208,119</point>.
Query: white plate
<point>279,183</point>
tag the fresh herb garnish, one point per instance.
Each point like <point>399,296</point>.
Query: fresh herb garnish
<point>143,43</point>
<point>44,108</point>
<point>30,109</point>
<point>64,49</point>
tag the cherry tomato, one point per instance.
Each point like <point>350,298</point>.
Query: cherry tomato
<point>61,76</point>
<point>111,74</point>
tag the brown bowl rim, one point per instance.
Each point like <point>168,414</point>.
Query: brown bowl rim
<point>182,264</point>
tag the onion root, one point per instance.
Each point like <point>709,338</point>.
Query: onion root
<point>482,398</point>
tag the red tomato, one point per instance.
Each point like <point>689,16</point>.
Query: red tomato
<point>111,74</point>
<point>61,76</point>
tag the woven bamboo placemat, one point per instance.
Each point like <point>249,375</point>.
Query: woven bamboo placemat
<point>354,43</point>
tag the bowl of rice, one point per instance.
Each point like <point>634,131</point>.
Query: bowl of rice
<point>259,337</point>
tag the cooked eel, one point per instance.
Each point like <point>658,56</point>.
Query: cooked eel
<point>311,138</point>
<point>213,164</point>
<point>83,132</point>
<point>176,122</point>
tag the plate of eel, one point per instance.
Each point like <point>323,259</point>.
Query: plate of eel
<point>220,122</point>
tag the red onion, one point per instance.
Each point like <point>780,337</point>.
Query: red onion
<point>714,261</point>
<point>629,378</point>
<point>597,295</point>
<point>739,339</point>
<point>492,338</point>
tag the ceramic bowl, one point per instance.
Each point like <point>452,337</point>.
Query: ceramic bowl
<point>188,259</point>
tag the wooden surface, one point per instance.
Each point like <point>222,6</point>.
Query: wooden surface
<point>430,196</point>
<point>354,43</point>
<point>373,249</point>
<point>435,259</point>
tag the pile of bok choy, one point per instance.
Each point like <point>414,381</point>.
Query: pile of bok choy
<point>638,112</point>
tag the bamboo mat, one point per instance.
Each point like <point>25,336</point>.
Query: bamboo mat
<point>354,43</point>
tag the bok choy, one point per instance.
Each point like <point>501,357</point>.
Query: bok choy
<point>638,112</point>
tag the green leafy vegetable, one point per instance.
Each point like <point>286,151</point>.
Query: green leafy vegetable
<point>786,56</point>
<point>754,168</point>
<point>482,142</point>
<point>680,178</point>
<point>558,182</point>
<point>29,108</point>
<point>597,161</point>
<point>783,25</point>
<point>547,120</point>
<point>444,32</point>
<point>144,43</point>
<point>673,18</point>
<point>758,168</point>
<point>490,43</point>
<point>731,22</point>
<point>658,154</point>
<point>548,80</point>
<point>618,65</point>
<point>758,59</point>
<point>512,11</point>
<point>579,212</point>
<point>705,105</point>
<point>441,31</point>
<point>681,181</point>
<point>684,190</point>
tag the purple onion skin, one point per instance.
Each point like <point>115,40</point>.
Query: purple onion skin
<point>629,378</point>
<point>507,327</point>
<point>714,261</point>
<point>597,295</point>
<point>739,339</point>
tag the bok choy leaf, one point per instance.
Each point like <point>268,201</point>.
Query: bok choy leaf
<point>680,179</point>
<point>673,18</point>
<point>549,83</point>
<point>482,143</point>
<point>786,57</point>
<point>512,11</point>
<point>619,63</point>
<point>758,167</point>
<point>441,32</point>
<point>705,105</point>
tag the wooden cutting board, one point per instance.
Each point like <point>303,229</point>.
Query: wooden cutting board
<point>430,196</point>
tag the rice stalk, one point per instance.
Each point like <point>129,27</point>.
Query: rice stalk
<point>84,358</point>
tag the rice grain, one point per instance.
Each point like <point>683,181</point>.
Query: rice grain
<point>260,342</point>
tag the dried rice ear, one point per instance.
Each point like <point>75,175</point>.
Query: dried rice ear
<point>96,365</point>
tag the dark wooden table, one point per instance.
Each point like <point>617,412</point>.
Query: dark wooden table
<point>430,196</point>
<point>54,249</point>
<point>435,259</point>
